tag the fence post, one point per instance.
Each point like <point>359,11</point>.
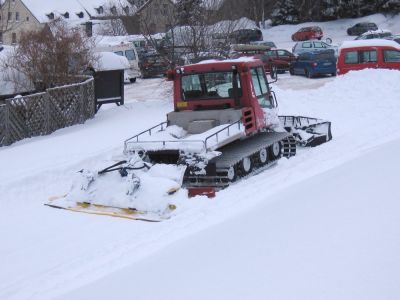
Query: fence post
<point>82,109</point>
<point>7,139</point>
<point>47,113</point>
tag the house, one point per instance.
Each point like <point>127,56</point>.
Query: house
<point>22,15</point>
<point>133,16</point>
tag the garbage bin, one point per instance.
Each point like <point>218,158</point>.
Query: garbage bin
<point>108,74</point>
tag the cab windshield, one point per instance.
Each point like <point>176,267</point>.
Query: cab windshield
<point>208,85</point>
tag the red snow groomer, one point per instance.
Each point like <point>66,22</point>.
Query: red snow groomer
<point>224,125</point>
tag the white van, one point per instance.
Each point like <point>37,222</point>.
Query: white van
<point>126,49</point>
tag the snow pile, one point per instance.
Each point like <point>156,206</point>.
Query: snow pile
<point>107,61</point>
<point>333,236</point>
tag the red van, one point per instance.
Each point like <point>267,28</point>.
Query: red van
<point>363,54</point>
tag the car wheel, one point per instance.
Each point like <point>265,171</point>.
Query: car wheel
<point>334,74</point>
<point>319,38</point>
<point>132,80</point>
<point>291,71</point>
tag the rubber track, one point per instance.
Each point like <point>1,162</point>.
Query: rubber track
<point>235,152</point>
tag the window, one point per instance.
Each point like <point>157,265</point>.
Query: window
<point>261,87</point>
<point>120,53</point>
<point>130,54</point>
<point>368,56</point>
<point>14,38</point>
<point>27,18</point>
<point>307,45</point>
<point>282,52</point>
<point>9,16</point>
<point>1,37</point>
<point>319,45</point>
<point>391,55</point>
<point>351,57</point>
<point>17,16</point>
<point>208,85</point>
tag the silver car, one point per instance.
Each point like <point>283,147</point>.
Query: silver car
<point>312,46</point>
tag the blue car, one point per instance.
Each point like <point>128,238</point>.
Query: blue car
<point>313,64</point>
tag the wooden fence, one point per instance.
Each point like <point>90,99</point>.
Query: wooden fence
<point>43,113</point>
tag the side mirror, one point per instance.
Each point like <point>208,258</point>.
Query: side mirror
<point>328,41</point>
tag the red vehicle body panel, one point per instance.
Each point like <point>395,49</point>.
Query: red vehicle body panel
<point>307,33</point>
<point>344,66</point>
<point>248,101</point>
<point>281,58</point>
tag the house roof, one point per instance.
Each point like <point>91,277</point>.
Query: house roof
<point>92,7</point>
<point>42,9</point>
<point>81,10</point>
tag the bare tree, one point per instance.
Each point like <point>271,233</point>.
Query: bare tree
<point>49,57</point>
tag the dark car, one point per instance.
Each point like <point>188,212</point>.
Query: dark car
<point>255,51</point>
<point>205,57</point>
<point>395,38</point>
<point>152,64</point>
<point>308,33</point>
<point>360,28</point>
<point>281,59</point>
<point>312,64</point>
<point>245,36</point>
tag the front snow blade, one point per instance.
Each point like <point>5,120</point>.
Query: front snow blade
<point>308,132</point>
<point>111,211</point>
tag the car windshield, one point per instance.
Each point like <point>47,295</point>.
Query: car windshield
<point>385,34</point>
<point>208,85</point>
<point>130,54</point>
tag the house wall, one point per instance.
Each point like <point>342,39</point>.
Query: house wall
<point>156,16</point>
<point>15,25</point>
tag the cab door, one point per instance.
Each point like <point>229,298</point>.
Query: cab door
<point>263,101</point>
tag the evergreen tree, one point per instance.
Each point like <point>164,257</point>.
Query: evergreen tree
<point>329,9</point>
<point>285,12</point>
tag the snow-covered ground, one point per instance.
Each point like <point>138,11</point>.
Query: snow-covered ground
<point>322,225</point>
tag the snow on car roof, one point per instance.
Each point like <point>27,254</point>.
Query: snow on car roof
<point>371,42</point>
<point>376,31</point>
<point>240,59</point>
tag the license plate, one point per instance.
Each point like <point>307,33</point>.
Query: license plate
<point>327,64</point>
